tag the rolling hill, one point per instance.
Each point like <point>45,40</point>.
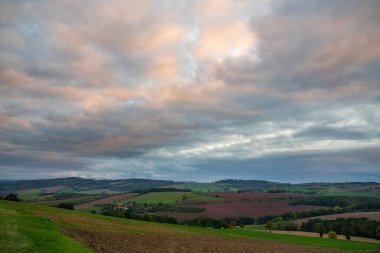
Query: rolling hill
<point>38,228</point>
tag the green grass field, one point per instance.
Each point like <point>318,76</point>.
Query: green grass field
<point>22,231</point>
<point>199,187</point>
<point>170,197</point>
<point>69,200</point>
<point>330,191</point>
<point>38,228</point>
<point>352,194</point>
<point>33,195</point>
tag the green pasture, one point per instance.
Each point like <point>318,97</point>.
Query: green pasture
<point>170,197</point>
<point>21,232</point>
<point>198,187</point>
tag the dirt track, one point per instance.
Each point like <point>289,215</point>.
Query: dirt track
<point>339,237</point>
<point>109,242</point>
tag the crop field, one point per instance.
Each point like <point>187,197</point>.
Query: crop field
<point>171,197</point>
<point>87,190</point>
<point>200,187</point>
<point>236,209</point>
<point>369,215</point>
<point>360,188</point>
<point>352,194</point>
<point>105,200</point>
<point>233,196</point>
<point>78,200</point>
<point>31,194</point>
<point>332,190</point>
<point>39,228</point>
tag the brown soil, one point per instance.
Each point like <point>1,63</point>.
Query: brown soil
<point>105,200</point>
<point>54,189</point>
<point>369,215</point>
<point>236,209</point>
<point>111,242</point>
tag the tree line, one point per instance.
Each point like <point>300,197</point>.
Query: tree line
<point>346,226</point>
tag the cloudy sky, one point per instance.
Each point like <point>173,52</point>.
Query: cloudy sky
<point>190,90</point>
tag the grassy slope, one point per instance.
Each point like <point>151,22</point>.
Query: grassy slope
<point>21,231</point>
<point>170,197</point>
<point>330,191</point>
<point>43,234</point>
<point>33,194</point>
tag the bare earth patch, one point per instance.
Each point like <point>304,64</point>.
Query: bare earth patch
<point>369,215</point>
<point>111,242</point>
<point>236,209</point>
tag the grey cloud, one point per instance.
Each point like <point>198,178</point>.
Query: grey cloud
<point>332,133</point>
<point>76,81</point>
<point>359,165</point>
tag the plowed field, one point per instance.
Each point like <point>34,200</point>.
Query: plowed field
<point>236,209</point>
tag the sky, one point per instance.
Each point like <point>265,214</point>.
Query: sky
<point>287,91</point>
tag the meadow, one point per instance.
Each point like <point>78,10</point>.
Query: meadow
<point>171,197</point>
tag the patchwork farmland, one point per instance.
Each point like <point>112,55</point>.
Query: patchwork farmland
<point>42,228</point>
<point>214,217</point>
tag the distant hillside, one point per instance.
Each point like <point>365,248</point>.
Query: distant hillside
<point>250,184</point>
<point>79,184</point>
<point>91,186</point>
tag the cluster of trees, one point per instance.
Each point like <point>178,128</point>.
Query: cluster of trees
<point>248,185</point>
<point>136,216</point>
<point>152,207</point>
<point>278,223</point>
<point>347,203</point>
<point>144,191</point>
<point>348,227</point>
<point>219,223</point>
<point>10,197</point>
<point>277,190</point>
<point>177,209</point>
<point>305,214</point>
<point>109,210</point>
<point>68,206</point>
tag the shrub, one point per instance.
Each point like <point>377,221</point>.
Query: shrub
<point>289,226</point>
<point>332,235</point>
<point>68,206</point>
<point>269,225</point>
<point>12,197</point>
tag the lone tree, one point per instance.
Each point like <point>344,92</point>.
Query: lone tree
<point>269,226</point>
<point>346,230</point>
<point>12,197</point>
<point>320,228</point>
